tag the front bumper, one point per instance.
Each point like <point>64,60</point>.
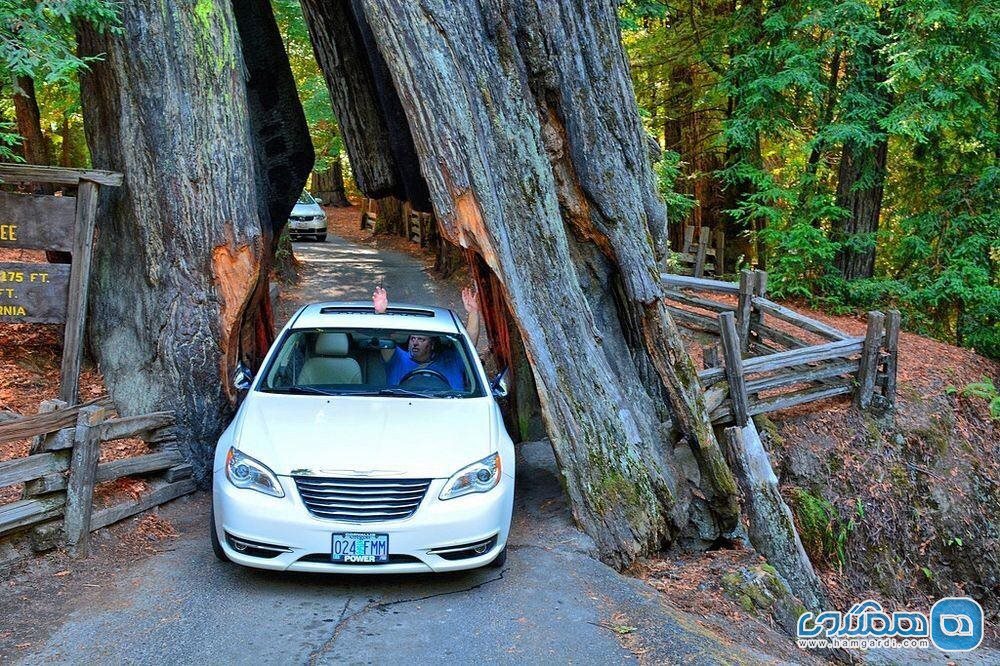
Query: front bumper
<point>435,525</point>
<point>307,228</point>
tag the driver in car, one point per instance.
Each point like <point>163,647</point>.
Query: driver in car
<point>422,351</point>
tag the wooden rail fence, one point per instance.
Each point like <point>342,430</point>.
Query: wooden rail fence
<point>767,364</point>
<point>706,255</point>
<point>62,469</point>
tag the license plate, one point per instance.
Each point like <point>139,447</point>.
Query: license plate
<point>360,548</point>
<point>298,225</point>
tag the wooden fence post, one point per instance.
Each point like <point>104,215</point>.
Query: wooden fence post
<point>720,251</point>
<point>688,238</point>
<point>80,486</point>
<point>759,291</point>
<point>79,281</point>
<point>734,368</point>
<point>892,354</point>
<point>744,307</point>
<point>699,259</point>
<point>869,360</point>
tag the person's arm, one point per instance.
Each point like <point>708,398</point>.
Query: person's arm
<point>470,299</point>
<point>380,301</point>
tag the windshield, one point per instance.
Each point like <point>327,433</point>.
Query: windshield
<point>397,363</point>
<point>306,198</point>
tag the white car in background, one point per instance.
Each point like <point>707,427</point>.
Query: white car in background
<point>307,219</point>
<point>328,467</point>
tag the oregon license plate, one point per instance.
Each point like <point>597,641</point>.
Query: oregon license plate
<point>360,548</point>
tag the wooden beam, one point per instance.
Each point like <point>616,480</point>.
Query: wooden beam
<point>20,470</point>
<point>704,304</point>
<point>79,282</point>
<point>787,400</point>
<point>869,360</point>
<point>685,282</point>
<point>135,426</point>
<point>743,308</point>
<point>800,320</point>
<point>802,376</point>
<point>30,511</point>
<point>159,495</point>
<point>44,423</point>
<point>32,173</point>
<point>892,360</point>
<point>692,320</point>
<point>80,488</point>
<point>734,367</point>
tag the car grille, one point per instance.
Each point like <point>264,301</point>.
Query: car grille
<point>361,500</point>
<point>302,218</point>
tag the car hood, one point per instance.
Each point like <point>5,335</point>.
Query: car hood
<point>362,436</point>
<point>306,209</point>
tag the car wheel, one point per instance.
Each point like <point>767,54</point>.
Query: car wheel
<point>499,560</point>
<point>321,238</point>
<point>216,545</point>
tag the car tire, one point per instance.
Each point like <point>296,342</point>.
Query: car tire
<point>499,560</point>
<point>321,238</point>
<point>216,545</point>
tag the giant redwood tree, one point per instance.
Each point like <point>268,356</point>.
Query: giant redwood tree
<point>527,134</point>
<point>180,269</point>
<point>516,120</point>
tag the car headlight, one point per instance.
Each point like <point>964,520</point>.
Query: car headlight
<point>319,218</point>
<point>245,472</point>
<point>476,478</point>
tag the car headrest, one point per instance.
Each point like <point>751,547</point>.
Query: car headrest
<point>331,344</point>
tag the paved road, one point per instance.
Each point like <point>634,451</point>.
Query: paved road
<point>552,602</point>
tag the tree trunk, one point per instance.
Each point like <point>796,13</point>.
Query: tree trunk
<point>859,191</point>
<point>329,185</point>
<point>526,129</point>
<point>391,217</point>
<point>177,269</point>
<point>372,121</point>
<point>34,150</point>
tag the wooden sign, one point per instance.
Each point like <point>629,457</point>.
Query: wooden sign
<point>42,293</point>
<point>32,222</point>
<point>33,293</point>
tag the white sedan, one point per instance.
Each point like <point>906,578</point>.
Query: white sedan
<point>307,219</point>
<point>350,456</point>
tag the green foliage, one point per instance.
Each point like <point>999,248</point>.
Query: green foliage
<point>824,535</point>
<point>37,41</point>
<point>313,93</point>
<point>668,171</point>
<point>984,390</point>
<point>762,99</point>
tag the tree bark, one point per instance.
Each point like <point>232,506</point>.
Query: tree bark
<point>372,122</point>
<point>526,130</point>
<point>329,185</point>
<point>33,147</point>
<point>177,269</point>
<point>860,186</point>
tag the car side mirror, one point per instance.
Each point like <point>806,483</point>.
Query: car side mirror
<point>499,385</point>
<point>318,200</point>
<point>242,377</point>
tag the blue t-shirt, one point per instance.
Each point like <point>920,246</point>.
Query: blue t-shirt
<point>446,362</point>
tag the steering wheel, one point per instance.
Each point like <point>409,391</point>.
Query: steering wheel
<point>426,372</point>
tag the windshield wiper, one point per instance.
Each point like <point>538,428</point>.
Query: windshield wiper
<point>404,392</point>
<point>310,390</point>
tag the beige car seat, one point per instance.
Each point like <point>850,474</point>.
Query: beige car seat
<point>330,363</point>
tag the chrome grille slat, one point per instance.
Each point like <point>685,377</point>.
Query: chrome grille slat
<point>361,500</point>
